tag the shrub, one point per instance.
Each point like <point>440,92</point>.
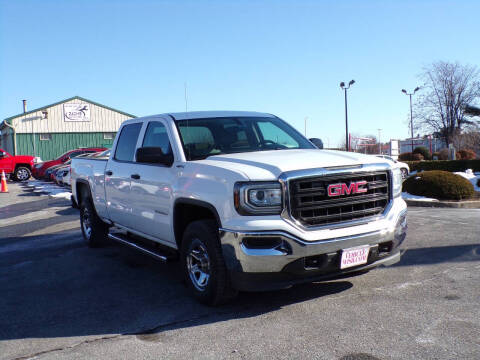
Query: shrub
<point>417,157</point>
<point>439,185</point>
<point>423,151</point>
<point>443,154</point>
<point>467,154</point>
<point>408,156</point>
<point>449,165</point>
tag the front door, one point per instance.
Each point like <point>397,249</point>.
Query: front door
<point>151,188</point>
<point>6,162</point>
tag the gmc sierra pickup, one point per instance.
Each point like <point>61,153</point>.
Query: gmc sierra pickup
<point>243,200</point>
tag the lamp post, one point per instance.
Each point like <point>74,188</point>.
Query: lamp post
<point>379,142</point>
<point>411,113</point>
<point>345,88</point>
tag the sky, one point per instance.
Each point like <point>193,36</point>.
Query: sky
<point>280,57</point>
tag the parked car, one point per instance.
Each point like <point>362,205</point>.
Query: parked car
<point>243,200</point>
<point>17,167</point>
<point>60,172</point>
<point>39,170</point>
<point>404,168</point>
<point>66,179</point>
<point>50,172</point>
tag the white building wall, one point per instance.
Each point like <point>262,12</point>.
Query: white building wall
<point>101,120</point>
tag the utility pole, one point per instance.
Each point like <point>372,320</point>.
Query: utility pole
<point>345,88</point>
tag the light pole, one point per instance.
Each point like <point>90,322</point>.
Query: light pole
<point>306,117</point>
<point>379,142</point>
<point>411,113</point>
<point>345,88</point>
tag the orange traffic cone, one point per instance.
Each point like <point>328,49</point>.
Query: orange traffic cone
<point>4,187</point>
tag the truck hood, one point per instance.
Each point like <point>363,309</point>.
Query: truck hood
<point>268,165</point>
<point>27,159</point>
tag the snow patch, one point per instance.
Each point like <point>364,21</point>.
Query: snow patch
<point>50,189</point>
<point>61,195</point>
<point>472,177</point>
<point>407,196</point>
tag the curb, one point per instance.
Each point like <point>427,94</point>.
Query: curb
<point>471,204</point>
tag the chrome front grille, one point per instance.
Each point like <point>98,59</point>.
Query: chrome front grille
<point>311,205</point>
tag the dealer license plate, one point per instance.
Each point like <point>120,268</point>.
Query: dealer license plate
<point>354,256</point>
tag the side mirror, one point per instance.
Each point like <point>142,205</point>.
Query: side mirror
<point>317,142</point>
<point>153,155</point>
<point>3,154</point>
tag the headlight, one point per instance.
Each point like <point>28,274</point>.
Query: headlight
<point>397,182</point>
<point>252,198</point>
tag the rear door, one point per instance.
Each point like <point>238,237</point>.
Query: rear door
<point>151,188</point>
<point>118,173</point>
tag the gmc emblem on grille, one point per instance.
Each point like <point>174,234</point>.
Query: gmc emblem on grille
<point>344,189</point>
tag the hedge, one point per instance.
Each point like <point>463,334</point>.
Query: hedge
<point>441,185</point>
<point>445,165</point>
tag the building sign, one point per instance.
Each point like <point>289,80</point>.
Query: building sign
<point>76,112</point>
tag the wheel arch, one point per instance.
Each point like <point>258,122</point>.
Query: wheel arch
<point>28,166</point>
<point>187,210</point>
<point>82,187</point>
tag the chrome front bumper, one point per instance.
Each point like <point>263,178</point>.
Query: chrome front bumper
<point>279,249</point>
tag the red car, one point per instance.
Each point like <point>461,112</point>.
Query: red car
<point>19,166</point>
<point>39,169</point>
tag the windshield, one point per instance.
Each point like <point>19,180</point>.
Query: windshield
<point>202,138</point>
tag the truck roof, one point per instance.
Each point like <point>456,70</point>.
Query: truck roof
<point>210,114</point>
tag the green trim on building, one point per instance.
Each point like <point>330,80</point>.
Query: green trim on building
<point>63,101</point>
<point>59,143</point>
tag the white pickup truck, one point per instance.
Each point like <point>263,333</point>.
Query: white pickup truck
<point>243,200</point>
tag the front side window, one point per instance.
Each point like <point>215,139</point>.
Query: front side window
<point>127,142</point>
<point>156,136</point>
<point>214,136</point>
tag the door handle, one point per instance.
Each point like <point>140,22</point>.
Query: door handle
<point>109,173</point>
<point>135,176</point>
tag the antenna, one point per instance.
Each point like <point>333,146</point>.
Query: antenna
<point>188,125</point>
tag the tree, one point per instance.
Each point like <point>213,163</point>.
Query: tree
<point>448,90</point>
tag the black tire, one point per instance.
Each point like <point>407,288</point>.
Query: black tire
<point>200,239</point>
<point>22,173</point>
<point>94,230</point>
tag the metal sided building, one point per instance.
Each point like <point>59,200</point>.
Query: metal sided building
<point>51,130</point>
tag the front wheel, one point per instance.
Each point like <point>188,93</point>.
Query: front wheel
<point>94,230</point>
<point>203,264</point>
<point>22,173</point>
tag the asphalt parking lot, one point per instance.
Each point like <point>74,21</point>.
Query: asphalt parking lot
<point>60,299</point>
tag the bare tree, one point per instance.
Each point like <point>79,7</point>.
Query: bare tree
<point>447,91</point>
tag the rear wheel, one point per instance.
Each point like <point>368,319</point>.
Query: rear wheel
<point>22,173</point>
<point>94,230</point>
<point>203,264</point>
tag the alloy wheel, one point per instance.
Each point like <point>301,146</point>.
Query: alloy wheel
<point>198,264</point>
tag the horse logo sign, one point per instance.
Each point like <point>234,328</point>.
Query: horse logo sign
<point>76,112</point>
